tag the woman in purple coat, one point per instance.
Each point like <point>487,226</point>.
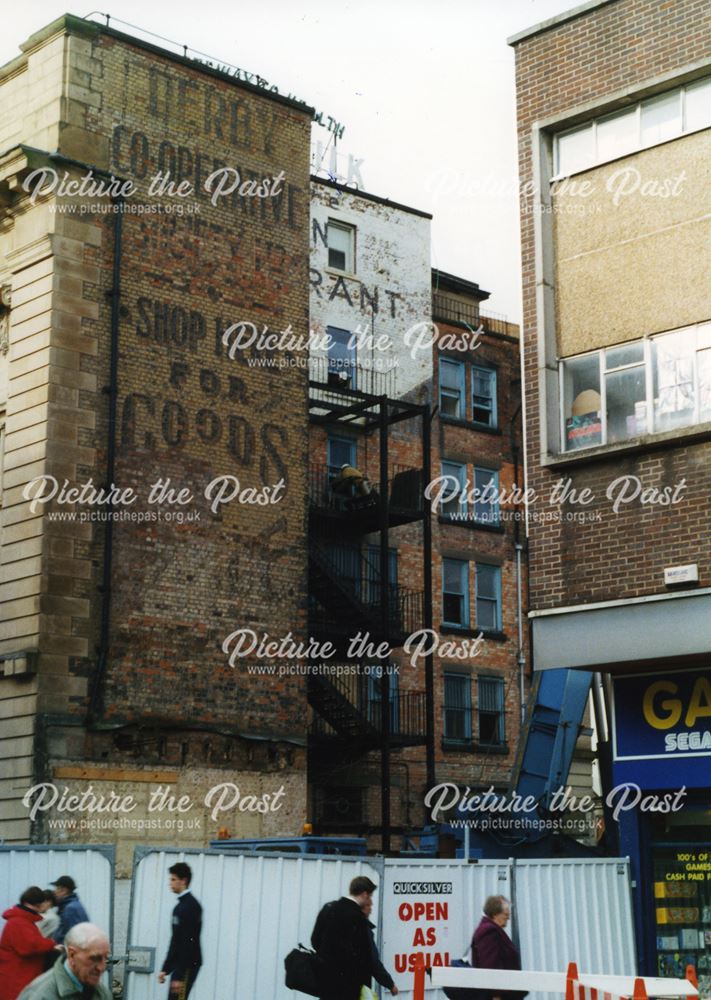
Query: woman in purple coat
<point>492,948</point>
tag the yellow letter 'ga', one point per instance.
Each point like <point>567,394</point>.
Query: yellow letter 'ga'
<point>700,703</point>
<point>670,705</point>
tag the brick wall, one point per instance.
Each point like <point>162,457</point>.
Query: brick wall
<point>183,577</point>
<point>618,46</point>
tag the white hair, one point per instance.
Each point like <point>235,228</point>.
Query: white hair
<point>83,935</point>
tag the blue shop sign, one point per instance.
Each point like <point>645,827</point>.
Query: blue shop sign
<point>662,728</point>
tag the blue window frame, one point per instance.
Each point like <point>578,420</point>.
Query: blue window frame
<point>340,451</point>
<point>488,597</point>
<point>491,711</point>
<point>454,501</point>
<point>374,700</point>
<point>486,505</point>
<point>451,388</point>
<point>484,396</point>
<point>455,592</point>
<point>341,356</point>
<point>457,707</point>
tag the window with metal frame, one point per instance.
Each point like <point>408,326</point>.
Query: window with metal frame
<point>375,700</point>
<point>488,597</point>
<point>451,388</point>
<point>486,504</point>
<point>457,707</point>
<point>341,246</point>
<point>340,451</point>
<point>647,123</point>
<point>484,396</point>
<point>341,356</point>
<point>657,384</point>
<point>491,712</point>
<point>454,499</point>
<point>455,592</point>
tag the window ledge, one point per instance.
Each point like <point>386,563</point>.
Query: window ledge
<point>469,424</point>
<point>497,529</point>
<point>648,442</point>
<point>341,274</point>
<point>470,633</point>
<point>468,746</point>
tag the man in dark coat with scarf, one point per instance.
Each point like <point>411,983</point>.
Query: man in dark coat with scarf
<point>492,948</point>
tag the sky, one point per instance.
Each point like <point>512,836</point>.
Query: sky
<point>425,89</point>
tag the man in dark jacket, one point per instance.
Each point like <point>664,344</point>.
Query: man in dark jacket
<point>492,948</point>
<point>343,942</point>
<point>184,956</point>
<point>69,907</point>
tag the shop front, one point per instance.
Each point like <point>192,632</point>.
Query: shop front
<point>662,751</point>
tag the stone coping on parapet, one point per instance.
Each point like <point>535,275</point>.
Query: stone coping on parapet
<point>71,24</point>
<point>558,19</point>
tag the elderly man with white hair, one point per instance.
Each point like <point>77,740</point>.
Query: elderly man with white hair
<point>77,975</point>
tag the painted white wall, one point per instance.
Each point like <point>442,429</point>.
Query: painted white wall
<point>392,260</point>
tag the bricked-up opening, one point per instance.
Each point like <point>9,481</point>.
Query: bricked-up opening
<point>354,589</point>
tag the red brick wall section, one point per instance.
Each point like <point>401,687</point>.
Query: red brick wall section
<point>620,555</point>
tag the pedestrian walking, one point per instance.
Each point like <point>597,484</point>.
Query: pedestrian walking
<point>50,917</point>
<point>344,944</point>
<point>69,906</point>
<point>22,947</point>
<point>184,958</point>
<point>380,973</point>
<point>492,948</point>
<point>78,976</point>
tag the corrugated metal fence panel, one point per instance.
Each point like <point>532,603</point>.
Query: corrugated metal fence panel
<point>471,884</point>
<point>92,868</point>
<point>256,908</point>
<point>575,911</point>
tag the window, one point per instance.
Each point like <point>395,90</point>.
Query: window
<point>575,150</point>
<point>455,592</point>
<point>654,120</point>
<point>451,388</point>
<point>454,502</point>
<point>646,386</point>
<point>484,396</point>
<point>697,105</point>
<point>616,135</point>
<point>488,597</point>
<point>341,245</point>
<point>340,451</point>
<point>491,711</point>
<point>341,356</point>
<point>661,118</point>
<point>457,707</point>
<point>486,491</point>
<point>624,391</point>
<point>375,699</point>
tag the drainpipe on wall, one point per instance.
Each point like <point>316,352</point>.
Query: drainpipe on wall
<point>96,706</point>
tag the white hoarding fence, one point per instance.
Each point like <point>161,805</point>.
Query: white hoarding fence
<point>257,907</point>
<point>92,868</point>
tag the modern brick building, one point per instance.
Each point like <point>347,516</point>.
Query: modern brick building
<point>614,113</point>
<point>117,372</point>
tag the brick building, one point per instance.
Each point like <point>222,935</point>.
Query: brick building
<point>112,666</point>
<point>452,572</point>
<point>617,336</point>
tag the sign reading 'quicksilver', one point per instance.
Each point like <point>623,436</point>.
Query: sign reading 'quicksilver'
<point>422,888</point>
